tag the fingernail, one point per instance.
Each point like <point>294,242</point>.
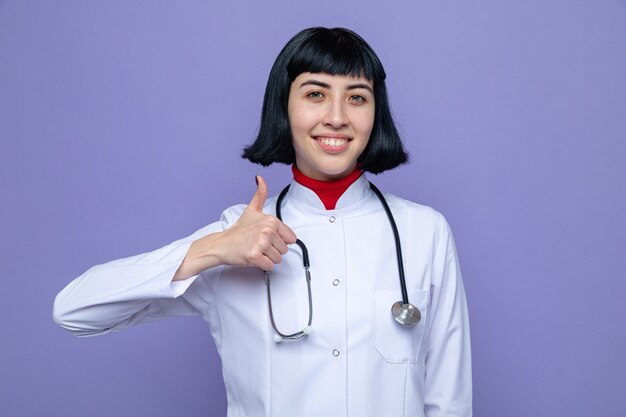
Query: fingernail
<point>256,179</point>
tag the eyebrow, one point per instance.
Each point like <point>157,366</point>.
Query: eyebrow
<point>325,85</point>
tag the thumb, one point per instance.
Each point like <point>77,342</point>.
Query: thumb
<point>259,197</point>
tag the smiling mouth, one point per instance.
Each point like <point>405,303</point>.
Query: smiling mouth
<point>332,145</point>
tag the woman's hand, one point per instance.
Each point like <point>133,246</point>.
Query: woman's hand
<point>256,239</point>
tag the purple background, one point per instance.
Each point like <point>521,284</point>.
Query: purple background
<point>121,125</point>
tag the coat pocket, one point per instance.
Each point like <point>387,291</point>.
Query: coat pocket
<point>396,342</point>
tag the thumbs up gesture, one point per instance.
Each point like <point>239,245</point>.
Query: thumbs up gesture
<point>256,239</point>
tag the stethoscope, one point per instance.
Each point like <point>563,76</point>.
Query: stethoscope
<point>404,312</point>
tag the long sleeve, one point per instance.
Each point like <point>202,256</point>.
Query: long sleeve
<point>128,291</point>
<point>448,379</point>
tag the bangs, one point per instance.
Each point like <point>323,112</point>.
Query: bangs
<point>336,53</point>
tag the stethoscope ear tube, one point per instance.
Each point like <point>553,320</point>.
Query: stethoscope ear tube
<point>278,336</point>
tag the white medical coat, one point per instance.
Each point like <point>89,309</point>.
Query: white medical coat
<point>358,361</point>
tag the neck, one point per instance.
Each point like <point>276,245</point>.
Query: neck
<point>327,191</point>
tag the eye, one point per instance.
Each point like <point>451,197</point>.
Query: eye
<point>356,98</point>
<point>315,95</point>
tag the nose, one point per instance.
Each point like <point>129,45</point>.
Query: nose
<point>335,115</point>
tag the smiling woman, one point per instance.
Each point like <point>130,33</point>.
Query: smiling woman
<point>365,353</point>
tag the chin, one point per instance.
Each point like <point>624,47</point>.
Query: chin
<point>336,173</point>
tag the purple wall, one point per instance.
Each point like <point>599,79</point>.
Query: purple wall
<point>121,125</point>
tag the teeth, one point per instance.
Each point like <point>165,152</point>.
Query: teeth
<point>333,142</point>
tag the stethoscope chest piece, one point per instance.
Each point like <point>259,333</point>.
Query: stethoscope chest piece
<point>406,314</point>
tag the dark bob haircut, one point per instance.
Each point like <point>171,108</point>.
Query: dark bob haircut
<point>332,51</point>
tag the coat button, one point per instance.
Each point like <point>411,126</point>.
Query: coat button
<point>335,353</point>
<point>335,282</point>
<point>332,219</point>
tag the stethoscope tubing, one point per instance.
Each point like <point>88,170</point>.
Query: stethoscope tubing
<point>396,237</point>
<point>300,334</point>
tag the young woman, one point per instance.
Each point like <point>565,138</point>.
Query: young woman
<point>350,318</point>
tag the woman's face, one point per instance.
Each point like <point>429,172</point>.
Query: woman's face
<point>331,119</point>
